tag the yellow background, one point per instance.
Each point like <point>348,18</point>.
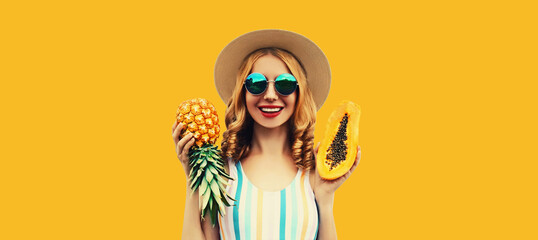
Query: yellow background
<point>89,91</point>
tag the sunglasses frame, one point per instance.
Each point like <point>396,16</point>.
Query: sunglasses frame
<point>267,84</point>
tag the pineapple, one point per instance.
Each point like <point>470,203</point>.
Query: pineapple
<point>207,174</point>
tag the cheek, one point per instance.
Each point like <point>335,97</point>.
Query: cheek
<point>291,101</point>
<point>250,101</point>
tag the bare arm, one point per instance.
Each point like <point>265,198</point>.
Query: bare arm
<point>210,231</point>
<point>324,192</point>
<point>327,227</point>
<point>193,228</point>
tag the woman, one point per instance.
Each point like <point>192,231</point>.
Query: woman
<point>283,79</point>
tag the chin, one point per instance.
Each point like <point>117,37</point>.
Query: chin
<point>271,123</point>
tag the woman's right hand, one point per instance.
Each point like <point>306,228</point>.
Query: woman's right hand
<point>182,146</point>
<point>192,227</point>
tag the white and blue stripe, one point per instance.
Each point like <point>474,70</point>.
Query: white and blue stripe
<point>287,214</point>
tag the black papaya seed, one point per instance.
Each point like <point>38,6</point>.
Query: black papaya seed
<point>337,151</point>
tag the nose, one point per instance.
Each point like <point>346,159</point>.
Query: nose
<point>270,93</point>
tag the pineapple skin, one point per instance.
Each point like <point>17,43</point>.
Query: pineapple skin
<point>207,173</point>
<point>200,118</point>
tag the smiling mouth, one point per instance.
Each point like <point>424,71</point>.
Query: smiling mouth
<point>271,110</point>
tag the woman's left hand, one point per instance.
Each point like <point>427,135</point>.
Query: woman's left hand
<point>324,189</point>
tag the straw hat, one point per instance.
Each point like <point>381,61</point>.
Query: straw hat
<point>318,72</point>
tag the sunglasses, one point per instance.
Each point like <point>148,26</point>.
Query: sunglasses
<point>256,83</point>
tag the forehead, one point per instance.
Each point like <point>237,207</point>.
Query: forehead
<point>270,66</point>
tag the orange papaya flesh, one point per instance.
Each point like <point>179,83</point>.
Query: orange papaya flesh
<point>338,149</point>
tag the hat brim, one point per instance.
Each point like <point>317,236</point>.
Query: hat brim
<point>312,58</point>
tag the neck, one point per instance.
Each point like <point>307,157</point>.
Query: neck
<point>270,141</point>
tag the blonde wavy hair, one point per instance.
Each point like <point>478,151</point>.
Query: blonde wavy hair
<point>238,136</point>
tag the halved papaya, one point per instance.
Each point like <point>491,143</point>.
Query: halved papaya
<point>338,149</point>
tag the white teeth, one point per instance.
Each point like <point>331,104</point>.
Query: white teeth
<point>270,109</point>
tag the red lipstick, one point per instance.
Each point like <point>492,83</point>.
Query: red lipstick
<point>270,114</point>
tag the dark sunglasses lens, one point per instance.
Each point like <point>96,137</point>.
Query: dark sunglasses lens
<point>256,83</point>
<point>286,84</point>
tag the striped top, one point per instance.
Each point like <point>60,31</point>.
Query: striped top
<point>287,214</point>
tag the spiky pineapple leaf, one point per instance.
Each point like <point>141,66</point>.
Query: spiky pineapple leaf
<point>221,185</point>
<point>204,212</point>
<point>205,200</point>
<point>213,170</point>
<point>214,216</point>
<point>208,176</point>
<point>192,185</point>
<point>203,165</point>
<point>230,197</point>
<point>211,204</point>
<point>203,187</point>
<point>226,202</point>
<point>215,189</point>
<point>220,204</point>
